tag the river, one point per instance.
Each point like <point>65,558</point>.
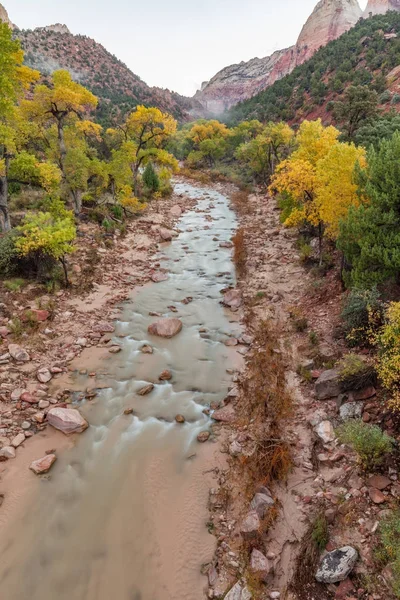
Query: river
<point>123,513</point>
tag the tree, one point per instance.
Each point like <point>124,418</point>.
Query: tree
<point>14,80</point>
<point>150,178</point>
<point>297,175</point>
<point>370,235</point>
<point>266,150</point>
<point>60,110</point>
<point>47,235</point>
<point>140,140</point>
<point>358,106</point>
<point>335,185</point>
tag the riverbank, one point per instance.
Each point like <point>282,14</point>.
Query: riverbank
<point>291,491</point>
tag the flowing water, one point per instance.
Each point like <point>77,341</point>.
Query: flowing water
<point>123,514</point>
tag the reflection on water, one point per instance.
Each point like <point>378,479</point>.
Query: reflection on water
<point>123,514</point>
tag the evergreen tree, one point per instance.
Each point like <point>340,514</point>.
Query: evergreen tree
<point>358,106</point>
<point>150,178</point>
<point>370,235</point>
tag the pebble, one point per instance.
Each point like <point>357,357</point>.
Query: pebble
<point>25,425</point>
<point>180,419</point>
<point>203,436</point>
<point>7,452</point>
<point>18,440</point>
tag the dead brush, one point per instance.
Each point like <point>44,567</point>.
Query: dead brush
<point>241,203</point>
<point>240,251</point>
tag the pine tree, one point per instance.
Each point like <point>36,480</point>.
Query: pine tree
<point>150,178</point>
<point>370,236</point>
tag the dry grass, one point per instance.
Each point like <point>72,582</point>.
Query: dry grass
<point>195,175</point>
<point>240,251</point>
<point>240,202</point>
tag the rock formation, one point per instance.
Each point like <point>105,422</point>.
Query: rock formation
<point>380,7</point>
<point>329,20</point>
<point>4,17</point>
<point>57,28</point>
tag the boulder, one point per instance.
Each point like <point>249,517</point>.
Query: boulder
<point>351,410</point>
<point>165,375</point>
<point>261,503</point>
<point>337,565</point>
<point>43,465</point>
<point>175,210</point>
<point>380,482</point>
<point>39,315</point>
<point>203,436</point>
<point>147,389</point>
<point>18,440</point>
<point>224,415</point>
<point>325,431</point>
<point>238,592</point>
<point>251,525</point>
<point>166,234</point>
<point>328,385</point>
<point>260,564</point>
<point>18,353</point>
<point>103,327</point>
<point>7,452</point>
<point>27,397</point>
<point>43,375</point>
<point>376,496</point>
<point>158,277</point>
<point>67,420</point>
<point>166,328</point>
<point>233,298</point>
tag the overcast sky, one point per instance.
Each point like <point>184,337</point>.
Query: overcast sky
<point>175,44</point>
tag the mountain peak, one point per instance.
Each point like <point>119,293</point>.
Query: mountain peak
<point>380,7</point>
<point>328,21</point>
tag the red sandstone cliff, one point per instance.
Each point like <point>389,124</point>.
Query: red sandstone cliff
<point>380,7</point>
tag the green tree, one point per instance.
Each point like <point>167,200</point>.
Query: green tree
<point>150,178</point>
<point>370,235</point>
<point>14,80</point>
<point>359,105</point>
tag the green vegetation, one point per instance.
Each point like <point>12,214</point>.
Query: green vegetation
<point>389,550</point>
<point>369,442</point>
<point>362,56</point>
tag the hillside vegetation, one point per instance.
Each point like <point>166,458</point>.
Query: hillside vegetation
<point>366,55</point>
<point>117,87</point>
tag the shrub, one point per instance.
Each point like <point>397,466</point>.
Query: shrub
<point>361,314</point>
<point>8,255</point>
<point>355,372</point>
<point>150,178</point>
<point>368,441</point>
<point>320,533</point>
<point>14,285</point>
<point>389,354</point>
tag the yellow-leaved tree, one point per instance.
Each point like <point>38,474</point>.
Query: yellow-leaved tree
<point>15,78</point>
<point>61,110</point>
<point>318,178</point>
<point>140,140</point>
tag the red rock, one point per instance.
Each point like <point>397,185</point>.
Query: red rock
<point>27,397</point>
<point>366,417</point>
<point>165,376</point>
<point>166,234</point>
<point>344,589</point>
<point>43,465</point>
<point>166,328</point>
<point>231,342</point>
<point>233,298</point>
<point>251,525</point>
<point>203,436</point>
<point>103,327</point>
<point>67,420</point>
<point>379,482</point>
<point>376,496</point>
<point>4,332</point>
<point>38,315</point>
<point>147,389</point>
<point>158,277</point>
<point>225,414</point>
<point>364,394</point>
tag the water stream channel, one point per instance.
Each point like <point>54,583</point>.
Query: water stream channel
<point>123,514</point>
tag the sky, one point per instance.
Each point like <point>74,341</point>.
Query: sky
<point>175,44</point>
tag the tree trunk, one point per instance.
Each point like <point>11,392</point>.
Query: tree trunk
<point>320,235</point>
<point>5,223</point>
<point>62,146</point>
<point>77,201</point>
<point>64,265</point>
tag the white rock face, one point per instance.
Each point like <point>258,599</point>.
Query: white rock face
<point>380,7</point>
<point>4,17</point>
<point>57,28</point>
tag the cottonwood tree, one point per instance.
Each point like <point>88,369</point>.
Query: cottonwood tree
<point>14,80</point>
<point>137,142</point>
<point>61,110</point>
